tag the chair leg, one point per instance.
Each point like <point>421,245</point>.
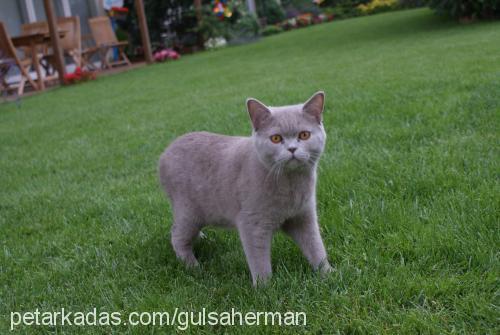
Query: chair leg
<point>4,86</point>
<point>76,57</point>
<point>25,76</point>
<point>20,88</point>
<point>104,58</point>
<point>3,82</point>
<point>124,56</point>
<point>86,61</point>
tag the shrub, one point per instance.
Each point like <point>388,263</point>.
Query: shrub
<point>412,3</point>
<point>342,9</point>
<point>271,30</point>
<point>270,10</point>
<point>211,26</point>
<point>304,20</point>
<point>289,24</point>
<point>239,28</point>
<point>467,9</point>
<point>245,28</point>
<point>340,12</point>
<point>294,8</point>
<point>378,6</point>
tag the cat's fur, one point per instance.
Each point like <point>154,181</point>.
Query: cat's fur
<point>250,183</point>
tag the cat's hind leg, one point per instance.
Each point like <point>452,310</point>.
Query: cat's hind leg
<point>183,233</point>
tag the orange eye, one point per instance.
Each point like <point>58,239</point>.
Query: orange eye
<point>276,138</point>
<point>304,135</point>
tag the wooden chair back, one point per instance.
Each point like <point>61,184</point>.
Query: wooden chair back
<point>34,28</point>
<point>102,31</point>
<point>70,25</point>
<point>72,39</point>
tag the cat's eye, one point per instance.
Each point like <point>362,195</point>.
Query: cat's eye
<point>276,138</point>
<point>304,135</point>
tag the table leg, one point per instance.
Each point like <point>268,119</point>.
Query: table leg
<point>36,64</point>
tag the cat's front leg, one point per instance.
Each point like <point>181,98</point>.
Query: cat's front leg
<point>256,240</point>
<point>304,230</point>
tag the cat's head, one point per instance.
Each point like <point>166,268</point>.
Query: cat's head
<point>288,137</point>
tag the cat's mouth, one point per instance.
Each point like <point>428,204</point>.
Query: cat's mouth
<point>296,158</point>
<point>294,162</point>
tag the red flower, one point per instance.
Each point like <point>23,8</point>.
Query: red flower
<point>79,75</point>
<point>120,9</point>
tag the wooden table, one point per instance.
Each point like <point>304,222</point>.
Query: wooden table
<point>32,41</point>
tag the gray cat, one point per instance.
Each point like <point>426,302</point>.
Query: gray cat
<point>256,184</point>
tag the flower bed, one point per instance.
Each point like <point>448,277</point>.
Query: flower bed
<point>79,75</point>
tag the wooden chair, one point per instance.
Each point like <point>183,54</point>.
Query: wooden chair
<point>35,28</point>
<point>105,40</point>
<point>71,42</point>
<point>9,58</point>
<point>43,50</point>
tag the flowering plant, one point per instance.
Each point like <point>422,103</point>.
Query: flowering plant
<point>78,76</point>
<point>165,54</point>
<point>118,11</point>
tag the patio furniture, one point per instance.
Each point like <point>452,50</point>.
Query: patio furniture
<point>9,58</point>
<point>71,41</point>
<point>105,40</point>
<point>35,46</point>
<point>35,28</point>
<point>43,50</point>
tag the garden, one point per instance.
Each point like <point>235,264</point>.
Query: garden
<point>407,189</point>
<point>185,26</point>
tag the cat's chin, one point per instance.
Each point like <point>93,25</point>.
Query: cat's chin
<point>295,164</point>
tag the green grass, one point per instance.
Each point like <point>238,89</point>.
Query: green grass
<point>408,191</point>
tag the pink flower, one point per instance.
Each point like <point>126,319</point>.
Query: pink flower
<point>165,54</point>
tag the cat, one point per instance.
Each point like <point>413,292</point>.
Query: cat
<point>258,184</point>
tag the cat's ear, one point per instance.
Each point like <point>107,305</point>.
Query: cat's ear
<point>258,112</point>
<point>315,105</point>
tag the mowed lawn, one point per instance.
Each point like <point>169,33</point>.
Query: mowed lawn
<point>408,190</point>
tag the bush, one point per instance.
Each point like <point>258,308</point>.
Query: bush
<point>270,10</point>
<point>467,9</point>
<point>343,3</point>
<point>211,26</point>
<point>294,8</point>
<point>412,3</point>
<point>271,30</point>
<point>378,6</point>
<point>340,12</point>
<point>246,28</point>
<point>240,27</point>
<point>342,9</point>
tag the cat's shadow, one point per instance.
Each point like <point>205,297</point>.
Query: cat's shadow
<point>221,258</point>
<point>220,253</point>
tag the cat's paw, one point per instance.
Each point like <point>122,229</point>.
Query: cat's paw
<point>325,269</point>
<point>261,280</point>
<point>189,261</point>
<point>193,263</point>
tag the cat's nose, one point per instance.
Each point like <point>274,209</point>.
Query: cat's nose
<point>292,150</point>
